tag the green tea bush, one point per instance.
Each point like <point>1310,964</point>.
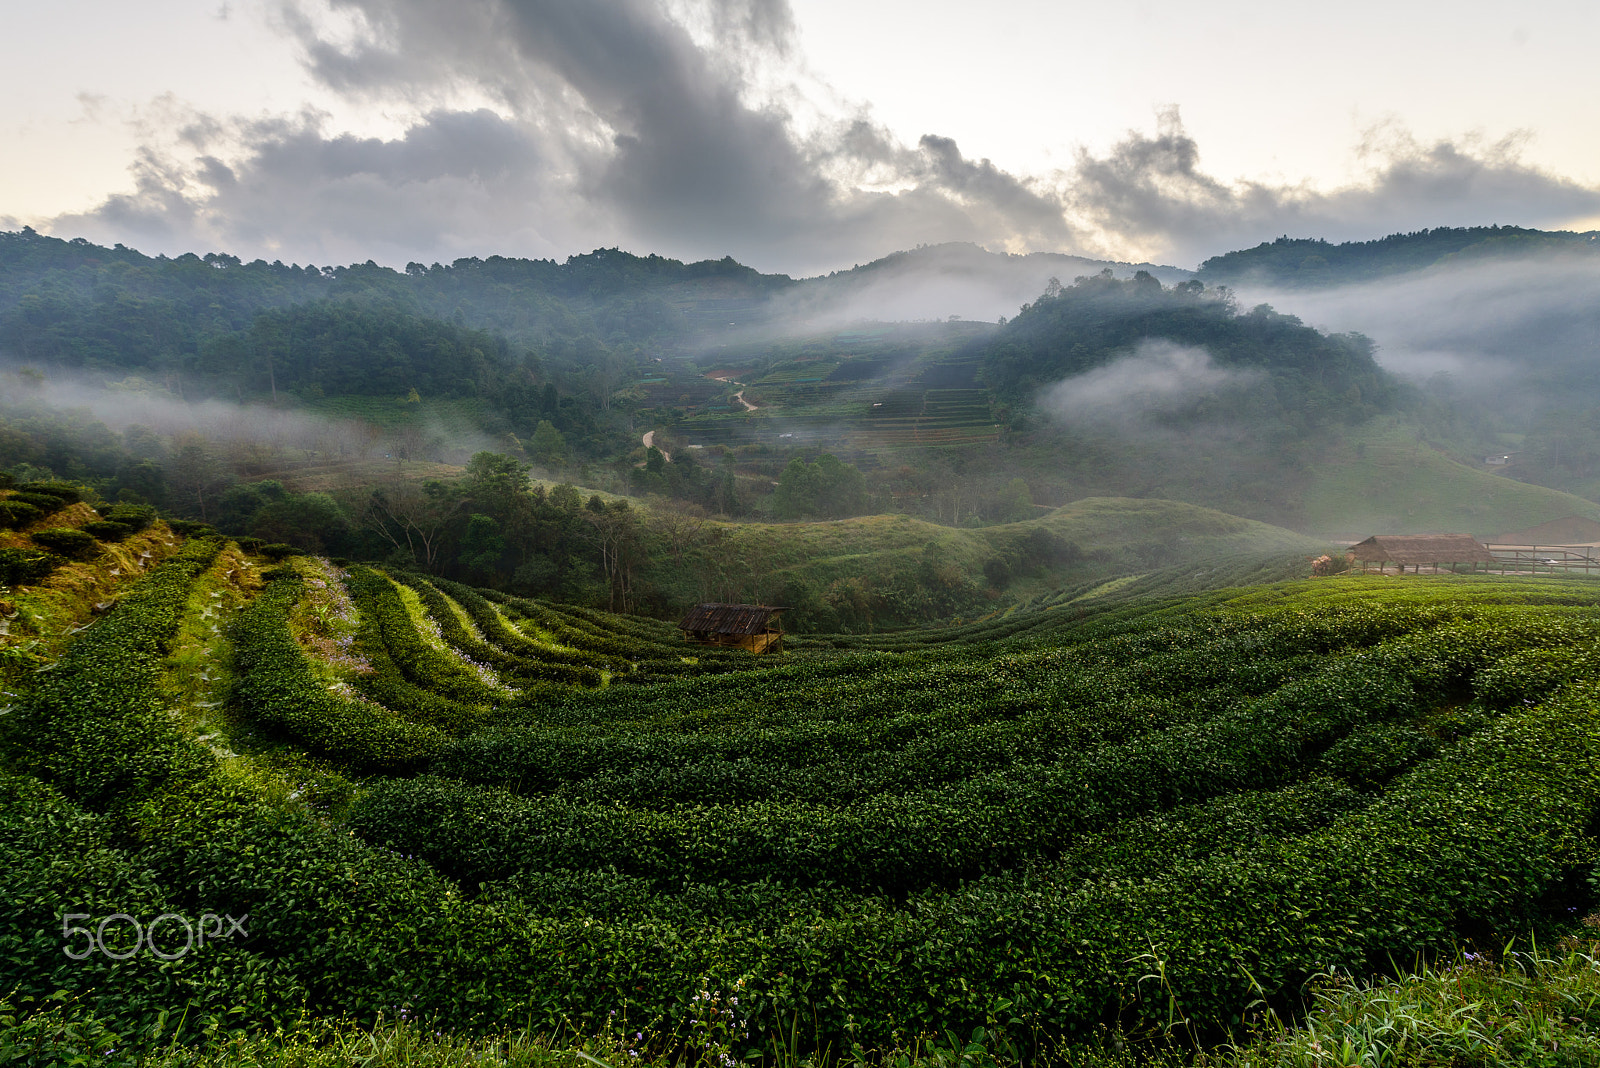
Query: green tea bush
<point>19,567</point>
<point>136,516</point>
<point>107,530</point>
<point>45,502</point>
<point>64,492</point>
<point>67,541</point>
<point>96,728</point>
<point>278,689</point>
<point>521,668</point>
<point>388,631</point>
<point>1233,793</point>
<point>15,513</point>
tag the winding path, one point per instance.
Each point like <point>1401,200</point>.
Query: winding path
<point>649,440</point>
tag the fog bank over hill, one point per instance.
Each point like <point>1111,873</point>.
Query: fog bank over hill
<point>1526,328</point>
<point>957,279</point>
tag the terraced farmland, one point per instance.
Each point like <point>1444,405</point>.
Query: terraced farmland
<point>500,813</point>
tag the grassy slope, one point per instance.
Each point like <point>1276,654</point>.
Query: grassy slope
<point>1116,534</point>
<point>1385,481</point>
<point>1520,1008</point>
<point>46,613</point>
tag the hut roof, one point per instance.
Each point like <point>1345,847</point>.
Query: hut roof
<point>1423,549</point>
<point>730,618</point>
<point>1569,530</point>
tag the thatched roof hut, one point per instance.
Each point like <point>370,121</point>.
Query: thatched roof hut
<point>746,626</point>
<point>1422,550</point>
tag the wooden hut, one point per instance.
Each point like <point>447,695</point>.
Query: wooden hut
<point>1422,550</point>
<point>745,626</point>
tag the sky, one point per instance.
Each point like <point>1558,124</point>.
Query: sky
<point>798,136</point>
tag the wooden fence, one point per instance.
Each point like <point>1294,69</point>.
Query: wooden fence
<point>1584,559</point>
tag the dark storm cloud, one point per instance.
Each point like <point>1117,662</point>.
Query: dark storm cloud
<point>543,127</point>
<point>598,122</point>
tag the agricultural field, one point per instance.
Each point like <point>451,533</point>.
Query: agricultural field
<point>1167,796</point>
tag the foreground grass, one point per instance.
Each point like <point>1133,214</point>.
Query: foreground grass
<point>1526,1009</point>
<point>1532,1008</point>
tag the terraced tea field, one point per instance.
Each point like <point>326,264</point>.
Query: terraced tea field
<point>497,813</point>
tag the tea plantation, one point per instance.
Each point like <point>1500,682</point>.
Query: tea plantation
<point>1177,797</point>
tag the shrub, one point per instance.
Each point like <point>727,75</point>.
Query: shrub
<point>45,502</point>
<point>188,528</point>
<point>98,729</point>
<point>402,661</point>
<point>509,663</point>
<point>15,513</point>
<point>68,541</point>
<point>279,689</point>
<point>1235,792</point>
<point>65,492</point>
<point>19,567</point>
<point>279,551</point>
<point>107,530</point>
<point>136,517</point>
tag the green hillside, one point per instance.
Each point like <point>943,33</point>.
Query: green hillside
<point>1298,262</point>
<point>536,825</point>
<point>1384,480</point>
<point>1113,533</point>
<point>892,570</point>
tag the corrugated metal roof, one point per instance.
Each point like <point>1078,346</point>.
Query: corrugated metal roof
<point>1423,549</point>
<point>730,618</point>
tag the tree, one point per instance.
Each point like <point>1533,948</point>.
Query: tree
<point>549,447</point>
<point>614,530</point>
<point>1015,502</point>
<point>796,495</point>
<point>193,474</point>
<point>311,521</point>
<point>828,487</point>
<point>680,527</point>
<point>411,519</point>
<point>497,482</point>
<point>482,548</point>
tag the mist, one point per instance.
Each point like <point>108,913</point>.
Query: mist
<point>1497,328</point>
<point>251,435</point>
<point>1157,378</point>
<point>959,280</point>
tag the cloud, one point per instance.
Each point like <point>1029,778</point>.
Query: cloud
<point>1150,195</point>
<point>246,432</point>
<point>1519,332</point>
<point>1158,377</point>
<point>692,128</point>
<point>547,126</point>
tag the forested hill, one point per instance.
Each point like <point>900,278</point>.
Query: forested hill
<point>70,302</point>
<point>1312,262</point>
<point>1071,330</point>
<point>52,290</point>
